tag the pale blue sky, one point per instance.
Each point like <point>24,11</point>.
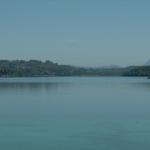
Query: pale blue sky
<point>76,32</point>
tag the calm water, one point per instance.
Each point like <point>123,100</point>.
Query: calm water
<point>73,113</point>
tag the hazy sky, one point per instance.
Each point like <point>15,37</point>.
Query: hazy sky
<point>77,32</point>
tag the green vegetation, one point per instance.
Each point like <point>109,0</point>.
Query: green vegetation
<point>138,71</point>
<point>35,68</point>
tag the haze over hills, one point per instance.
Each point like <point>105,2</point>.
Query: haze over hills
<point>147,63</point>
<point>111,67</point>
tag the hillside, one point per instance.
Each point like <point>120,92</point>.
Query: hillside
<point>22,68</point>
<point>139,71</point>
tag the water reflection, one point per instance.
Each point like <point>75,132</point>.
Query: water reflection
<point>31,86</point>
<point>141,85</point>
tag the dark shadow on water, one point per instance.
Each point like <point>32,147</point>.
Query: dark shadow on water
<point>33,86</point>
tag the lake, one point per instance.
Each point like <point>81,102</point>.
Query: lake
<point>75,113</point>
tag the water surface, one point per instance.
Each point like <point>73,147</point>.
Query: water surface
<point>75,113</point>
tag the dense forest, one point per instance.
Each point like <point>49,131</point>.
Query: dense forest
<point>139,71</point>
<point>36,68</point>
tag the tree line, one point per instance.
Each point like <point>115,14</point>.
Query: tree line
<point>35,68</point>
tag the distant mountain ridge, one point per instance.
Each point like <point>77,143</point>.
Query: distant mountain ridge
<point>110,67</point>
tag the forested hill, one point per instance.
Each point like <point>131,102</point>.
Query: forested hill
<point>33,68</point>
<point>22,68</point>
<point>36,68</point>
<point>139,71</point>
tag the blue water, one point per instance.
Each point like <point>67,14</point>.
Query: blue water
<point>75,113</point>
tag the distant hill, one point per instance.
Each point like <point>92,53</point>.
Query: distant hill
<point>111,67</point>
<point>139,71</point>
<point>36,68</point>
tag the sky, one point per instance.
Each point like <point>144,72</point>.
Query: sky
<point>76,32</point>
